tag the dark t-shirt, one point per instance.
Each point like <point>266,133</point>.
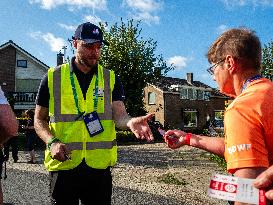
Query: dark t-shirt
<point>84,81</point>
<point>30,123</point>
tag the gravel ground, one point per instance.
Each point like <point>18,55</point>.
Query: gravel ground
<point>137,178</point>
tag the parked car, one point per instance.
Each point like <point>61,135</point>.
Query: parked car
<point>217,127</point>
<point>218,123</point>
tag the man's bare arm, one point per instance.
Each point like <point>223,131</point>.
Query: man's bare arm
<point>8,123</point>
<point>41,124</point>
<point>138,125</point>
<point>58,150</point>
<point>214,145</point>
<point>120,115</point>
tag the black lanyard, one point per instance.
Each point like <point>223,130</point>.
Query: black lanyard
<point>76,96</point>
<point>256,77</point>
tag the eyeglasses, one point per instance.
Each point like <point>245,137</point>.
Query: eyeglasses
<point>212,68</point>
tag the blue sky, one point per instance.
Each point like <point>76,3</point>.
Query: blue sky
<point>183,29</point>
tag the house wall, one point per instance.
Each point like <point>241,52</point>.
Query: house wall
<point>28,79</point>
<point>158,107</point>
<point>175,107</point>
<point>171,113</point>
<point>7,68</point>
<point>19,84</point>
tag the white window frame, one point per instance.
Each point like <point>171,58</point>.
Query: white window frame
<point>207,95</point>
<point>149,98</point>
<point>190,111</point>
<point>184,93</point>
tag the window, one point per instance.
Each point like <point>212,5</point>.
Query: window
<point>219,114</point>
<point>22,63</point>
<point>207,96</point>
<point>200,95</point>
<point>218,121</point>
<point>194,94</point>
<point>190,118</point>
<point>190,94</point>
<point>151,98</point>
<point>184,94</point>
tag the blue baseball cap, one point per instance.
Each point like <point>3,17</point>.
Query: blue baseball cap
<point>89,33</point>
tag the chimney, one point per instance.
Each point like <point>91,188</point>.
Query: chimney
<point>190,78</point>
<point>60,58</point>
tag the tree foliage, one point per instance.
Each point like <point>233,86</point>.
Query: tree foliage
<point>133,58</point>
<point>267,61</point>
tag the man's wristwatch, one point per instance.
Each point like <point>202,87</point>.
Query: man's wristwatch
<point>51,141</point>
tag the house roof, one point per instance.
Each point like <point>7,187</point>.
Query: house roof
<point>166,84</point>
<point>11,43</point>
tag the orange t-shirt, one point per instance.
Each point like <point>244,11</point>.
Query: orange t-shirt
<point>249,127</point>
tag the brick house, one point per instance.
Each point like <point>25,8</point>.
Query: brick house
<point>184,103</point>
<point>20,75</point>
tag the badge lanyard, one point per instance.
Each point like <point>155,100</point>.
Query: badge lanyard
<point>256,77</point>
<point>76,96</point>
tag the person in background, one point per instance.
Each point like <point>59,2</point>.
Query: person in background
<point>8,129</point>
<point>31,136</point>
<point>248,122</point>
<point>12,142</point>
<point>84,102</point>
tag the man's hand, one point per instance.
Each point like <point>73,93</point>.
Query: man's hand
<point>139,126</point>
<point>265,181</point>
<point>59,151</point>
<point>175,138</point>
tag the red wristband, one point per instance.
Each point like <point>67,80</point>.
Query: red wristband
<point>188,139</point>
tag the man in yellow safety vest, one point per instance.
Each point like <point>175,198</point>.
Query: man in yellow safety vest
<point>84,103</point>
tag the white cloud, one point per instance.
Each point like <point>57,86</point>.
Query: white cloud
<point>67,27</point>
<point>235,2</point>
<point>222,28</point>
<point>50,4</point>
<point>144,5</point>
<point>147,17</point>
<point>248,2</point>
<point>179,62</point>
<point>93,19</point>
<point>35,35</point>
<point>3,41</point>
<point>144,9</point>
<point>55,43</point>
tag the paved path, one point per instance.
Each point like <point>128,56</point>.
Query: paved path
<point>137,177</point>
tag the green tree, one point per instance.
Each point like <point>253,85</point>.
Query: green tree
<point>267,61</point>
<point>133,58</point>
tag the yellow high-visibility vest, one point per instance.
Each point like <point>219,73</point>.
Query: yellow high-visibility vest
<point>99,151</point>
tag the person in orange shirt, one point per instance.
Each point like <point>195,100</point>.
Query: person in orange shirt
<point>248,122</point>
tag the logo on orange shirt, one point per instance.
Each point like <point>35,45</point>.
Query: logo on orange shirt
<point>238,148</point>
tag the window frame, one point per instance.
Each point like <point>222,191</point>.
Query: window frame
<point>149,98</point>
<point>196,117</point>
<point>22,61</point>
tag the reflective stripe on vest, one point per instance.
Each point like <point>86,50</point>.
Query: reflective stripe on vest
<point>58,117</point>
<point>91,145</point>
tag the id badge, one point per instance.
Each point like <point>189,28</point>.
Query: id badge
<point>93,123</point>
